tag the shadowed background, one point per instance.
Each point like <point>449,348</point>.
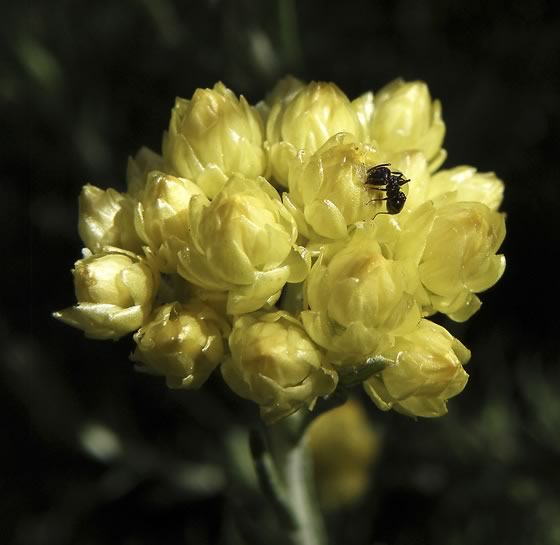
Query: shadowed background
<point>94,453</point>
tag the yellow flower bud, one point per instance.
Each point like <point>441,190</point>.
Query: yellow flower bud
<point>460,258</point>
<point>161,216</point>
<point>364,106</point>
<point>106,219</point>
<point>405,118</point>
<point>284,89</point>
<point>242,242</point>
<point>326,189</point>
<point>184,343</point>
<point>427,371</point>
<point>138,168</point>
<point>344,447</point>
<point>275,364</point>
<point>359,299</point>
<point>306,120</point>
<point>212,136</point>
<point>466,184</point>
<point>115,290</point>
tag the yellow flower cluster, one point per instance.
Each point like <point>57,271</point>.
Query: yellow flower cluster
<point>266,240</point>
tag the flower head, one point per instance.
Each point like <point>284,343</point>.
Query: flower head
<point>115,290</point>
<point>459,258</point>
<point>212,136</point>
<point>105,219</point>
<point>284,89</point>
<point>243,242</point>
<point>184,343</point>
<point>274,363</point>
<point>138,168</point>
<point>405,118</point>
<point>306,119</point>
<point>427,370</point>
<point>465,184</point>
<point>326,189</point>
<point>161,217</point>
<point>358,298</point>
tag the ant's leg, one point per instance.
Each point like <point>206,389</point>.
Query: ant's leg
<point>378,213</point>
<point>376,200</point>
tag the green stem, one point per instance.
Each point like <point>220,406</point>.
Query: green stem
<point>289,451</point>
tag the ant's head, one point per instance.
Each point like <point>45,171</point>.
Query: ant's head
<point>379,174</point>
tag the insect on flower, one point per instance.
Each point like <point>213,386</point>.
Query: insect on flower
<point>382,178</point>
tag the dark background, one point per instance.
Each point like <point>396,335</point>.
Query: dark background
<point>83,85</point>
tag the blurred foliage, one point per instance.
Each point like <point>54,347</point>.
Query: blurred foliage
<point>94,453</point>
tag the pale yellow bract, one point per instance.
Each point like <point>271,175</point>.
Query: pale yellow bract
<point>255,242</point>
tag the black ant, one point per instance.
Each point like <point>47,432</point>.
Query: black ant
<point>392,180</point>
